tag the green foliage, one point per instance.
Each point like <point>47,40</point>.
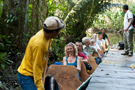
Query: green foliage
<point>56,9</point>
<point>3,87</point>
<point>9,53</point>
<point>1,6</point>
<point>112,18</point>
<point>8,57</point>
<point>132,8</point>
<point>29,15</point>
<point>58,45</point>
<point>80,17</point>
<point>6,44</point>
<point>4,61</point>
<point>10,18</point>
<point>57,49</point>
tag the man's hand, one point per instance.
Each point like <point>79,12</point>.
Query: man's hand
<point>110,44</point>
<point>50,51</point>
<point>122,29</point>
<point>100,56</point>
<point>126,29</point>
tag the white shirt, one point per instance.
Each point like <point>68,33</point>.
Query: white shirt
<point>128,15</point>
<point>96,46</point>
<point>98,42</point>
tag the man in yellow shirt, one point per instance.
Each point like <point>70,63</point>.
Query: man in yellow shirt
<point>31,69</point>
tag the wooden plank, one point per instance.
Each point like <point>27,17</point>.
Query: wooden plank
<point>114,73</point>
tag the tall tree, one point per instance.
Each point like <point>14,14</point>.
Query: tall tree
<point>81,16</point>
<point>38,15</point>
<point>14,20</point>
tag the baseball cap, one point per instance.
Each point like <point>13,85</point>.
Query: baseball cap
<point>92,40</point>
<point>53,23</point>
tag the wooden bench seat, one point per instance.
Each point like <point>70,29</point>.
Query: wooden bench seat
<point>93,64</point>
<point>66,76</point>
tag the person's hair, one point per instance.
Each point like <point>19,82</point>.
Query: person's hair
<point>83,39</point>
<point>92,40</point>
<point>74,48</point>
<point>49,31</point>
<point>94,36</point>
<point>80,43</point>
<point>104,29</point>
<point>125,7</point>
<point>99,34</point>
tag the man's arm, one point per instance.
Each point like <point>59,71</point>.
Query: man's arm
<point>98,32</point>
<point>79,64</point>
<point>109,42</point>
<point>84,58</point>
<point>130,23</point>
<point>64,61</point>
<point>123,29</point>
<point>38,67</point>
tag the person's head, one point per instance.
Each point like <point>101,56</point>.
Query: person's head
<point>92,42</point>
<point>86,41</point>
<point>52,26</point>
<point>94,36</point>
<point>70,48</point>
<point>79,46</point>
<point>103,30</point>
<point>100,36</point>
<point>125,8</point>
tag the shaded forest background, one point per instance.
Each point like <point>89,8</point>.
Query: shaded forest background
<point>21,19</point>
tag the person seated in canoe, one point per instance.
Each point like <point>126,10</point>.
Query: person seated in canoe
<point>94,36</point>
<point>100,50</point>
<point>71,57</point>
<point>86,47</point>
<point>83,54</point>
<point>101,42</point>
<point>105,36</point>
<point>89,49</point>
<point>97,48</point>
<point>79,46</point>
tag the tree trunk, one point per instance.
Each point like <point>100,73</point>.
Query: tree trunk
<point>38,15</point>
<point>14,21</point>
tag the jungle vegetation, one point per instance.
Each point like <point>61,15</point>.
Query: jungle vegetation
<point>21,19</point>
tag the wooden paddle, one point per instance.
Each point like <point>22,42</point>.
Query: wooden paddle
<point>46,62</point>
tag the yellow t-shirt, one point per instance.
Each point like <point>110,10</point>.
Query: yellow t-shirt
<point>34,58</point>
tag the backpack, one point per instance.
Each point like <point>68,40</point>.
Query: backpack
<point>58,63</point>
<point>98,60</point>
<point>88,66</point>
<point>50,83</point>
<point>133,20</point>
<point>121,45</point>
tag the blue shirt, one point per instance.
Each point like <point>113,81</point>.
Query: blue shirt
<point>72,64</point>
<point>85,53</point>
